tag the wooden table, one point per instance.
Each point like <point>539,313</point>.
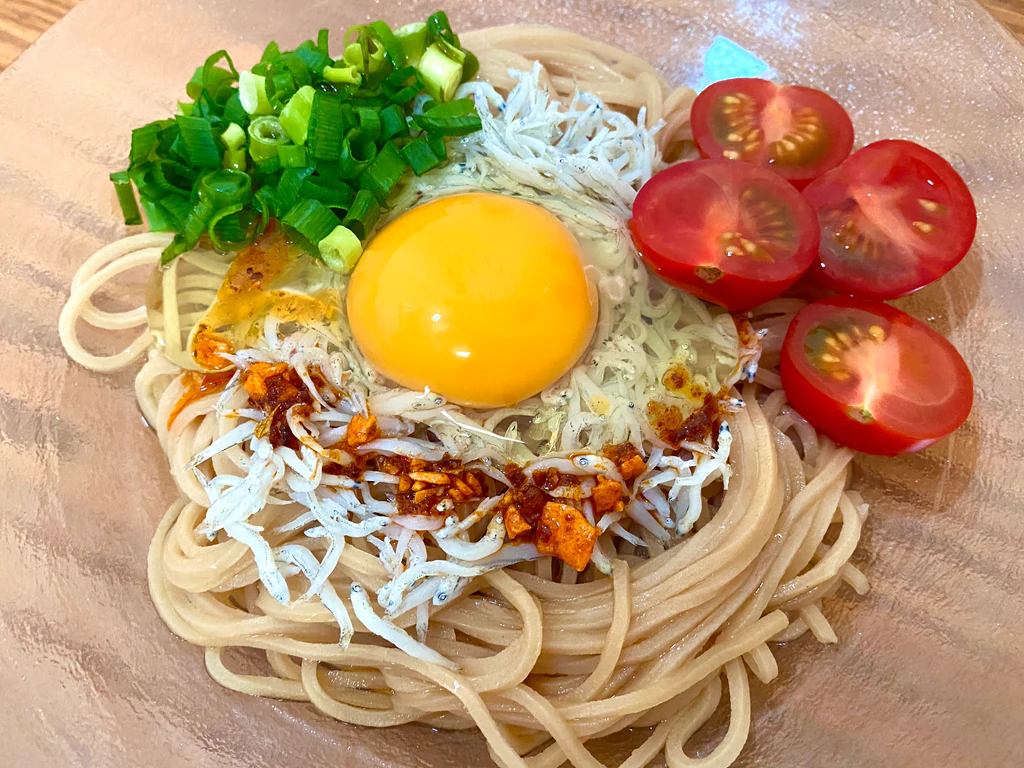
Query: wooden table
<point>22,21</point>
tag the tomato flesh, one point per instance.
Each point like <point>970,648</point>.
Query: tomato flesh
<point>872,377</point>
<point>894,217</point>
<point>798,132</point>
<point>731,233</point>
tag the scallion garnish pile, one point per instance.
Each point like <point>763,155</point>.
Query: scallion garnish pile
<point>317,143</point>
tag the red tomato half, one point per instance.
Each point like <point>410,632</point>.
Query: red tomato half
<point>872,377</point>
<point>798,132</point>
<point>731,233</point>
<point>894,217</point>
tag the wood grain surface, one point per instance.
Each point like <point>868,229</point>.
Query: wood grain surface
<point>22,21</point>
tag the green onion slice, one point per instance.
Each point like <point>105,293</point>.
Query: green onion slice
<point>369,122</point>
<point>325,127</point>
<point>295,115</point>
<point>392,47</point>
<point>413,39</point>
<point>441,74</point>
<point>266,135</point>
<point>393,122</point>
<point>252,93</point>
<point>199,143</point>
<point>387,169</point>
<point>455,118</point>
<point>126,197</point>
<point>288,189</point>
<point>309,222</point>
<point>343,75</point>
<point>330,195</point>
<point>233,136</point>
<point>357,151</point>
<point>225,231</point>
<point>292,156</point>
<point>420,156</point>
<point>341,249</point>
<point>403,85</point>
<point>362,214</point>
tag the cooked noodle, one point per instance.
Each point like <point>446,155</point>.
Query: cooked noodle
<point>540,660</point>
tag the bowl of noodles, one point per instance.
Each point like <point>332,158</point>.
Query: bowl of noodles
<point>446,447</point>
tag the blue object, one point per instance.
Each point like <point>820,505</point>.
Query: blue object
<point>726,59</point>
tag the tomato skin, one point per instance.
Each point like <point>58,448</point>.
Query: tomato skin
<point>801,132</point>
<point>682,213</point>
<point>922,388</point>
<point>890,258</point>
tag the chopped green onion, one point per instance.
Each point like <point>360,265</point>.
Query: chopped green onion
<point>470,66</point>
<point>144,141</point>
<point>215,81</point>
<point>420,156</point>
<point>453,52</point>
<point>235,159</point>
<point>266,135</point>
<point>233,136</point>
<point>403,85</point>
<point>393,122</point>
<point>436,142</point>
<point>441,75</point>
<point>353,56</point>
<point>295,115</point>
<point>357,151</point>
<point>309,222</point>
<point>126,198</point>
<point>441,29</point>
<point>233,110</point>
<point>392,47</point>
<point>341,249</point>
<point>231,237</point>
<point>413,39</point>
<point>325,127</point>
<point>298,68</point>
<point>264,203</point>
<point>200,145</point>
<point>288,188</point>
<point>341,141</point>
<point>312,57</point>
<point>376,55</point>
<point>171,177</point>
<point>362,214</point>
<point>457,108</point>
<point>159,218</point>
<point>224,187</point>
<point>455,118</point>
<point>271,53</point>
<point>387,169</point>
<point>342,75</point>
<point>369,122</point>
<point>192,229</point>
<point>333,196</point>
<point>292,156</point>
<point>252,92</point>
<point>348,118</point>
<point>268,166</point>
<point>280,87</point>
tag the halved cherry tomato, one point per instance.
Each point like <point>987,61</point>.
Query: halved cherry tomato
<point>894,217</point>
<point>872,377</point>
<point>731,233</point>
<point>798,132</point>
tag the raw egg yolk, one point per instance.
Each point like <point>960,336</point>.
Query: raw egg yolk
<point>481,298</point>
